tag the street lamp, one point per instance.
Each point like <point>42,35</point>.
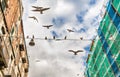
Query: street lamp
<point>32,43</point>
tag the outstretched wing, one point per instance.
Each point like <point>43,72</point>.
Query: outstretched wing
<point>36,19</point>
<point>30,16</point>
<point>71,51</point>
<point>50,25</point>
<point>79,51</point>
<point>47,25</point>
<point>37,7</point>
<point>69,30</point>
<point>33,18</point>
<point>43,9</point>
<point>34,6</point>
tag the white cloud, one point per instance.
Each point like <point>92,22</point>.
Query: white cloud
<point>63,8</point>
<point>53,56</point>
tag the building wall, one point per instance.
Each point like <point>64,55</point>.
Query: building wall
<point>13,53</point>
<point>105,60</point>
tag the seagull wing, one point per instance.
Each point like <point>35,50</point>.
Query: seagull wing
<point>34,6</point>
<point>71,51</point>
<point>45,26</point>
<point>79,51</point>
<point>37,7</point>
<point>50,25</point>
<point>35,19</point>
<point>65,37</point>
<point>30,17</point>
<point>69,30</point>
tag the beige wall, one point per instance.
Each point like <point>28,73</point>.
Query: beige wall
<point>15,54</point>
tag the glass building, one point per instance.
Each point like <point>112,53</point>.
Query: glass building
<point>105,58</point>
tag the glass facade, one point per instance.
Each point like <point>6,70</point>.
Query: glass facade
<point>105,60</point>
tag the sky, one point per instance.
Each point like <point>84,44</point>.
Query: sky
<point>50,58</point>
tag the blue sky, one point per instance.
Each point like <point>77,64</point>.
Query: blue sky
<point>82,16</point>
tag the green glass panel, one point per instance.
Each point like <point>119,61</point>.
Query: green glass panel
<point>113,29</point>
<point>118,60</point>
<point>110,72</point>
<point>107,75</point>
<point>116,4</point>
<point>119,10</point>
<point>106,25</point>
<point>106,62</point>
<point>101,73</point>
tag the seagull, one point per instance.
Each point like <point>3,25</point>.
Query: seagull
<point>37,7</point>
<point>54,37</point>
<point>27,37</point>
<point>47,26</point>
<point>78,74</point>
<point>75,52</point>
<point>45,37</point>
<point>65,37</point>
<point>33,18</point>
<point>69,30</point>
<point>81,38</point>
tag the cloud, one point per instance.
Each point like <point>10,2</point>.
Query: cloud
<point>82,30</point>
<point>60,10</point>
<point>32,1</point>
<point>92,2</point>
<point>58,21</point>
<point>54,34</point>
<point>79,18</point>
<point>54,58</point>
<point>87,48</point>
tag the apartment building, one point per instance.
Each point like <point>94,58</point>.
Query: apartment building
<point>105,58</point>
<point>13,53</point>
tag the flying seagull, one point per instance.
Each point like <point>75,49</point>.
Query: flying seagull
<point>69,30</point>
<point>75,52</point>
<point>39,9</point>
<point>33,17</point>
<point>47,26</point>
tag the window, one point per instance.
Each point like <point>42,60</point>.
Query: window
<point>26,70</point>
<point>12,31</point>
<point>21,47</point>
<point>3,30</point>
<point>23,60</point>
<point>11,57</point>
<point>4,4</point>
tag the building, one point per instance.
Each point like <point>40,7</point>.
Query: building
<point>13,53</point>
<point>105,58</point>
